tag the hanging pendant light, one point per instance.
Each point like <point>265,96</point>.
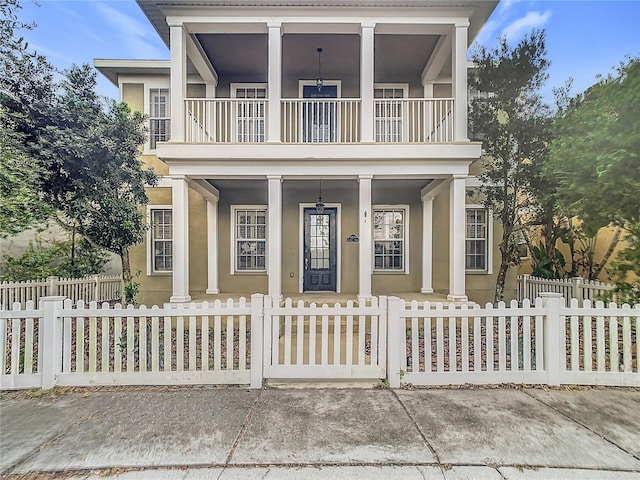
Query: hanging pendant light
<point>320,203</point>
<point>319,81</point>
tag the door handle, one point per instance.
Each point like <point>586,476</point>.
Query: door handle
<point>306,264</point>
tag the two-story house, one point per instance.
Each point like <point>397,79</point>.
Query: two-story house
<point>310,146</point>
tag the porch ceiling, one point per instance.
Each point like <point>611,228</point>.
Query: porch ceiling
<point>379,185</point>
<point>399,58</point>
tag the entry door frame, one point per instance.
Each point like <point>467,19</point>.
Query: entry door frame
<point>301,207</point>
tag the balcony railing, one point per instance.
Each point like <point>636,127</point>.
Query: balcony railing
<point>413,120</point>
<point>228,120</point>
<point>319,121</point>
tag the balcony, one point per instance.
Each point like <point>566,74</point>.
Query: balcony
<point>319,121</point>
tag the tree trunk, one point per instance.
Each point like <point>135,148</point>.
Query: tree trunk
<point>501,280</point>
<point>504,263</point>
<point>126,266</point>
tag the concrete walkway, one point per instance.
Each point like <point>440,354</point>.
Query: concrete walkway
<point>235,433</point>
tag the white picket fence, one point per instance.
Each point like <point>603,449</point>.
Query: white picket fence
<point>544,342</point>
<point>98,288</point>
<point>575,287</point>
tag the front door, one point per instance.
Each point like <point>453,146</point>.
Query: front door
<point>320,250</point>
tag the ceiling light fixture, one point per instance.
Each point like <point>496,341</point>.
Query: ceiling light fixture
<point>319,81</point>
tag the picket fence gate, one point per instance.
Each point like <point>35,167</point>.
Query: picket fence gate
<point>246,342</point>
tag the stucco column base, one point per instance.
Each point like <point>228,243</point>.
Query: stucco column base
<point>180,298</point>
<point>457,298</point>
<point>426,290</point>
<point>212,291</point>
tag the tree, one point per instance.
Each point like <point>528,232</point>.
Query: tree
<point>21,205</point>
<point>22,75</point>
<point>595,153</point>
<point>595,156</point>
<point>514,127</point>
<point>85,146</point>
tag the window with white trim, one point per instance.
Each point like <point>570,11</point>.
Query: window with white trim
<point>477,239</point>
<point>250,113</point>
<point>249,238</point>
<point>161,239</point>
<point>159,116</point>
<point>390,238</point>
<point>389,113</point>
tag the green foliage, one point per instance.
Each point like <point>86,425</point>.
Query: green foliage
<point>514,127</point>
<point>21,205</point>
<point>131,290</point>
<point>84,148</point>
<point>625,269</point>
<point>547,264</point>
<point>595,154</point>
<point>41,261</point>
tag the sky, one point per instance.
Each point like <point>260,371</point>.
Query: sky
<point>585,38</point>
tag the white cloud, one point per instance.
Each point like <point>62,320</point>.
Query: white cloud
<point>138,39</point>
<point>505,5</point>
<point>526,23</point>
<point>486,34</point>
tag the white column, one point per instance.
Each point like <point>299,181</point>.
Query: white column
<point>178,44</point>
<point>365,232</point>
<point>180,203</point>
<point>457,223</point>
<point>366,81</point>
<point>210,90</point>
<point>274,236</point>
<point>428,90</point>
<point>459,73</point>
<point>275,82</point>
<point>212,245</point>
<point>427,244</point>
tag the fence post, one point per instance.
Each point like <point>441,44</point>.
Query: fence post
<point>554,333</point>
<point>257,314</point>
<point>96,281</point>
<point>395,344</point>
<point>51,340</point>
<point>52,287</point>
<point>577,290</point>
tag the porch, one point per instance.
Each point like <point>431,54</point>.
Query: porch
<point>317,121</point>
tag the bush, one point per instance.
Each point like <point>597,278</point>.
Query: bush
<point>60,259</point>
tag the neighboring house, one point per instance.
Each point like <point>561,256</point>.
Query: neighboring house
<point>310,146</point>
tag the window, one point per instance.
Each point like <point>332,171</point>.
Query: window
<point>161,240</point>
<point>159,116</point>
<point>390,239</point>
<point>250,238</point>
<point>389,114</point>
<point>250,113</point>
<point>477,236</point>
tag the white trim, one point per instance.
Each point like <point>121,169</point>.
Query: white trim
<point>233,249</point>
<point>233,87</point>
<point>148,85</point>
<point>405,239</point>
<point>150,262</point>
<point>403,86</point>
<point>326,83</point>
<point>405,111</point>
<point>301,207</point>
<point>489,239</point>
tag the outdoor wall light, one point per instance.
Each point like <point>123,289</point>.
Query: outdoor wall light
<point>320,203</point>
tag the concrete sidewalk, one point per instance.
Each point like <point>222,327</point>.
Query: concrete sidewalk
<point>235,433</point>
